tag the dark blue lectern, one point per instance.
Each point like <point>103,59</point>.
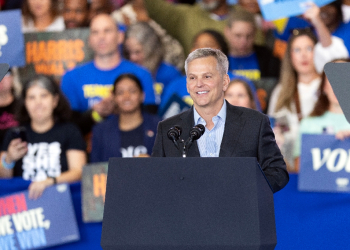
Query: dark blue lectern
<point>187,203</point>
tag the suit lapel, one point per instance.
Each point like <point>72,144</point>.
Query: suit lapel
<point>187,122</point>
<point>233,126</point>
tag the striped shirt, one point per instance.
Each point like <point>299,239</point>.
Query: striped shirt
<point>210,142</point>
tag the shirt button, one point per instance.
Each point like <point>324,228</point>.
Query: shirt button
<point>211,154</point>
<point>209,135</point>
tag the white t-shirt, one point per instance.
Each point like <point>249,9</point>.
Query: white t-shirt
<point>56,25</point>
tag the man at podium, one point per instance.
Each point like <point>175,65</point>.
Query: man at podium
<point>230,131</point>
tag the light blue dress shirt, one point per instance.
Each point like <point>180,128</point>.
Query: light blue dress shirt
<point>210,142</point>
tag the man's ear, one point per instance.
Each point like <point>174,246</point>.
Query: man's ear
<point>226,82</point>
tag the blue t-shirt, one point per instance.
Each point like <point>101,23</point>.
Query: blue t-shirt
<point>86,85</point>
<point>246,66</point>
<point>165,74</point>
<point>178,87</point>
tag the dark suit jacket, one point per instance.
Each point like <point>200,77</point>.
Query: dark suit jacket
<point>247,134</point>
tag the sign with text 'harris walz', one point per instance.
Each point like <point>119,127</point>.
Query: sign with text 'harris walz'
<point>11,38</point>
<point>94,180</point>
<point>37,224</point>
<point>324,164</point>
<point>53,53</point>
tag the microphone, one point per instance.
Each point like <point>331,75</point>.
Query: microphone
<point>174,134</point>
<point>195,133</point>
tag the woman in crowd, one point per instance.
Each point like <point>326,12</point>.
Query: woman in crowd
<point>326,118</point>
<point>51,150</point>
<point>143,46</point>
<point>240,94</point>
<point>41,15</point>
<point>295,96</point>
<point>131,133</point>
<point>8,104</point>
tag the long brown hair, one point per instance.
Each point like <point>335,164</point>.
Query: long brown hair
<point>289,77</point>
<point>322,103</point>
<point>27,14</point>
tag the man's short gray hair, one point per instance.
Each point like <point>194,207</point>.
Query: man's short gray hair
<point>220,57</point>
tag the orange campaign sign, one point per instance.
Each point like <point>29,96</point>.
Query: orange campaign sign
<point>53,53</point>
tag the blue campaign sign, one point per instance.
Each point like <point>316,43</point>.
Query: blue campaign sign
<point>36,224</point>
<point>11,38</point>
<point>277,9</point>
<point>324,164</point>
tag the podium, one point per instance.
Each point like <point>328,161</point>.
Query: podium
<point>187,203</point>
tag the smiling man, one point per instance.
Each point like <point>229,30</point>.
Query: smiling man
<point>230,131</point>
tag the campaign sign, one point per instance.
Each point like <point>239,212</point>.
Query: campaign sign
<point>276,9</point>
<point>324,164</point>
<point>174,106</point>
<point>11,38</point>
<point>94,181</point>
<point>53,53</point>
<point>35,224</point>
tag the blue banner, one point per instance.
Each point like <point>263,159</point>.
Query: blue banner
<point>11,38</point>
<point>276,9</point>
<point>324,164</point>
<point>41,223</point>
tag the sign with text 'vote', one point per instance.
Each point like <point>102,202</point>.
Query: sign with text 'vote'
<point>11,38</point>
<point>36,224</point>
<point>324,164</point>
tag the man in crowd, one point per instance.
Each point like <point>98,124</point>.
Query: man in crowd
<point>184,21</point>
<point>246,58</point>
<point>230,131</point>
<point>88,87</point>
<point>76,13</point>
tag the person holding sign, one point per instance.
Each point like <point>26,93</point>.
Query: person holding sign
<point>47,150</point>
<point>327,117</point>
<point>131,133</point>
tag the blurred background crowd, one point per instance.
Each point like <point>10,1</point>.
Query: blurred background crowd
<point>110,106</point>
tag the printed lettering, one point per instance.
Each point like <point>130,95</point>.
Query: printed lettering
<point>5,225</point>
<point>32,239</point>
<point>7,243</point>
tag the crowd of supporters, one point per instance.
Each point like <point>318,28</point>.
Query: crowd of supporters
<point>139,48</point>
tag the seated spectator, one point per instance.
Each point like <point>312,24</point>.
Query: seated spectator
<point>54,149</point>
<point>184,21</point>
<point>76,13</point>
<point>88,86</point>
<point>133,12</point>
<point>245,58</point>
<point>8,104</point>
<point>143,46</point>
<point>41,16</point>
<point>239,93</point>
<point>131,133</point>
<point>204,39</point>
<point>327,117</point>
